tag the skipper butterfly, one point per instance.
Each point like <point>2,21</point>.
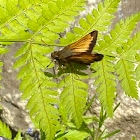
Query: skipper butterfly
<point>79,51</point>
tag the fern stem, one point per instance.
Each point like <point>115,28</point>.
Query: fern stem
<point>12,40</point>
<point>58,45</point>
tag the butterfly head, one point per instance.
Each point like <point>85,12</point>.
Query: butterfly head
<point>54,55</point>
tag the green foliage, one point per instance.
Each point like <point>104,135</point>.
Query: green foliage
<point>105,82</point>
<point>133,138</point>
<point>38,23</point>
<point>96,131</point>
<point>73,97</point>
<point>18,136</point>
<point>99,20</point>
<point>118,36</point>
<point>112,47</point>
<point>5,131</point>
<point>128,74</point>
<point>76,135</point>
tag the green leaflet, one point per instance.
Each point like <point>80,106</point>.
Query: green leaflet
<point>73,98</point>
<point>18,136</point>
<point>5,131</point>
<point>118,36</point>
<point>130,48</point>
<point>76,135</point>
<point>125,67</point>
<point>125,70</point>
<point>3,50</point>
<point>105,82</point>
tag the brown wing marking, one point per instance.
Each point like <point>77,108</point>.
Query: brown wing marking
<point>94,34</point>
<point>84,45</point>
<point>85,58</point>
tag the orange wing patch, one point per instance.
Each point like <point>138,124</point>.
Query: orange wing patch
<point>84,45</point>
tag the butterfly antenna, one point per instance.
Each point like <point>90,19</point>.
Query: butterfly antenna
<point>50,63</point>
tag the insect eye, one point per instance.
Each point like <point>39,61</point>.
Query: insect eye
<point>57,58</point>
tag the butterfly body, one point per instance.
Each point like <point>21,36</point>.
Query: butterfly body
<point>79,51</point>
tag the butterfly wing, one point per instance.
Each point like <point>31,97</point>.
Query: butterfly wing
<point>84,45</point>
<point>85,58</point>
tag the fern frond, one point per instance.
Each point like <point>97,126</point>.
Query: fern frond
<point>13,21</point>
<point>99,20</point>
<point>125,70</point>
<point>110,44</point>
<point>42,22</point>
<point>36,20</point>
<point>130,48</point>
<point>125,67</point>
<point>118,36</point>
<point>105,82</point>
<point>5,131</point>
<point>55,19</point>
<point>37,87</point>
<point>73,97</point>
